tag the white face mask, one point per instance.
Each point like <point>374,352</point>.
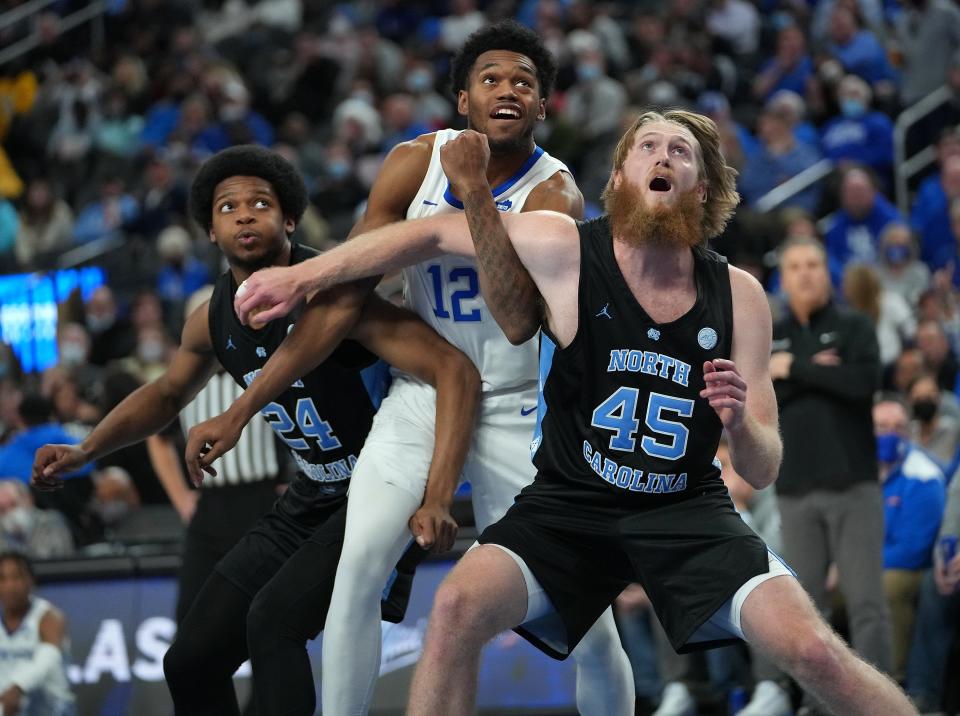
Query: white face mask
<point>98,324</point>
<point>73,354</point>
<point>18,522</point>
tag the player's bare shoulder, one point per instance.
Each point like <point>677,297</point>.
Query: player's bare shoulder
<point>558,192</point>
<point>747,292</point>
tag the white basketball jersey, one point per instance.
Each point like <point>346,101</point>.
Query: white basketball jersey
<point>19,646</point>
<point>445,291</point>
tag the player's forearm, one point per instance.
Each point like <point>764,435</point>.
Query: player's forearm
<point>510,293</point>
<point>316,334</point>
<point>458,396</point>
<point>756,451</point>
<point>388,248</point>
<point>141,414</point>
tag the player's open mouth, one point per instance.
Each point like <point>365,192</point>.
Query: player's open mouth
<point>660,183</point>
<point>247,238</point>
<point>506,111</point>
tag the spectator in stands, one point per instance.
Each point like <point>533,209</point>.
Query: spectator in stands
<point>152,354</point>
<point>73,407</point>
<point>115,496</point>
<point>781,158</point>
<point>914,494</point>
<point>32,646</point>
<point>899,269</point>
<point>40,534</point>
<point>939,355</point>
<point>854,233</point>
<point>736,141</point>
<point>892,317</point>
<point>857,49</point>
<point>181,273</point>
<point>933,666</point>
<point>934,426</point>
<point>400,123</point>
<point>737,23</point>
<point>464,19</point>
<point>162,196</point>
<point>825,370</point>
<point>860,135</point>
<point>794,108</point>
<point>118,134</point>
<point>430,108</point>
<point>36,424</point>
<point>789,69</point>
<point>926,29</point>
<point>109,216</point>
<point>339,191</point>
<point>237,122</point>
<point>46,226</point>
<point>595,101</point>
<point>869,12</point>
<point>111,335</point>
<point>930,213</point>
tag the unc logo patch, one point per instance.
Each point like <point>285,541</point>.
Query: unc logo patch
<point>707,338</point>
<point>653,334</point>
<point>261,352</point>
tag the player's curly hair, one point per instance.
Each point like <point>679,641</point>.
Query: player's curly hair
<point>504,35</point>
<point>248,160</point>
<point>20,559</point>
<point>722,196</point>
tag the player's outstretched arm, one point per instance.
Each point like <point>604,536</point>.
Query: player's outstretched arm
<point>509,291</point>
<point>406,342</point>
<point>143,412</point>
<point>328,318</point>
<point>277,290</point>
<point>741,391</point>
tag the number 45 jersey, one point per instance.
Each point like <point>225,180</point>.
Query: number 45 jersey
<point>324,417</point>
<point>623,418</point>
<point>445,291</point>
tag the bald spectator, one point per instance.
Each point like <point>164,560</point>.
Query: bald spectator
<point>40,534</point>
<point>854,233</point>
<point>860,135</point>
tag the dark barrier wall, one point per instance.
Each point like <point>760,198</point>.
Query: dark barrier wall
<point>120,627</point>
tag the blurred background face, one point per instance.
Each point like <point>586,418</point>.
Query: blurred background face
<point>804,276</point>
<point>15,586</point>
<point>857,194</point>
<point>890,417</point>
<point>932,342</point>
<point>896,245</point>
<point>908,367</point>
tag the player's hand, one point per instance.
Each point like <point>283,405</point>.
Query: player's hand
<point>268,294</point>
<point>827,357</point>
<point>464,160</point>
<point>946,577</point>
<point>206,442</point>
<point>780,363</point>
<point>10,701</point>
<point>726,391</point>
<point>433,527</point>
<point>186,505</point>
<point>52,462</point>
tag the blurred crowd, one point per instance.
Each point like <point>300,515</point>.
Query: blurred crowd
<point>101,140</point>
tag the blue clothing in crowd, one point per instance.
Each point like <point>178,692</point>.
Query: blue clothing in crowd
<point>865,57</point>
<point>795,80</point>
<point>914,497</point>
<point>16,456</point>
<point>766,171</point>
<point>930,219</point>
<point>867,140</point>
<point>850,239</point>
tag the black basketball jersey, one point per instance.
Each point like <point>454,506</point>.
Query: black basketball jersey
<point>622,417</point>
<point>324,417</point>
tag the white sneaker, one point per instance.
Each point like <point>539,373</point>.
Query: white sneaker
<point>769,699</point>
<point>676,701</point>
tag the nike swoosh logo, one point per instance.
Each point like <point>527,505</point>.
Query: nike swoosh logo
<point>429,203</point>
<point>527,411</point>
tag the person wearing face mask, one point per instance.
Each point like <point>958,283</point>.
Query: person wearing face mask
<point>41,534</point>
<point>595,102</point>
<point>111,335</point>
<point>859,135</point>
<point>898,268</point>
<point>429,106</point>
<point>914,495</point>
<point>932,427</point>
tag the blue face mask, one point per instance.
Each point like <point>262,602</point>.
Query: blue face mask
<point>896,253</point>
<point>889,447</point>
<point>587,71</point>
<point>852,108</point>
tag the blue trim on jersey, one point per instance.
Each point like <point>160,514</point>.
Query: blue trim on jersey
<point>547,349</point>
<point>782,561</point>
<point>501,188</point>
<point>376,379</point>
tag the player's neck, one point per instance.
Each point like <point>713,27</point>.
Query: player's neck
<point>242,272</point>
<point>504,165</point>
<point>653,265</point>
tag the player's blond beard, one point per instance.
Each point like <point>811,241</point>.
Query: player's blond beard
<point>678,225</point>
